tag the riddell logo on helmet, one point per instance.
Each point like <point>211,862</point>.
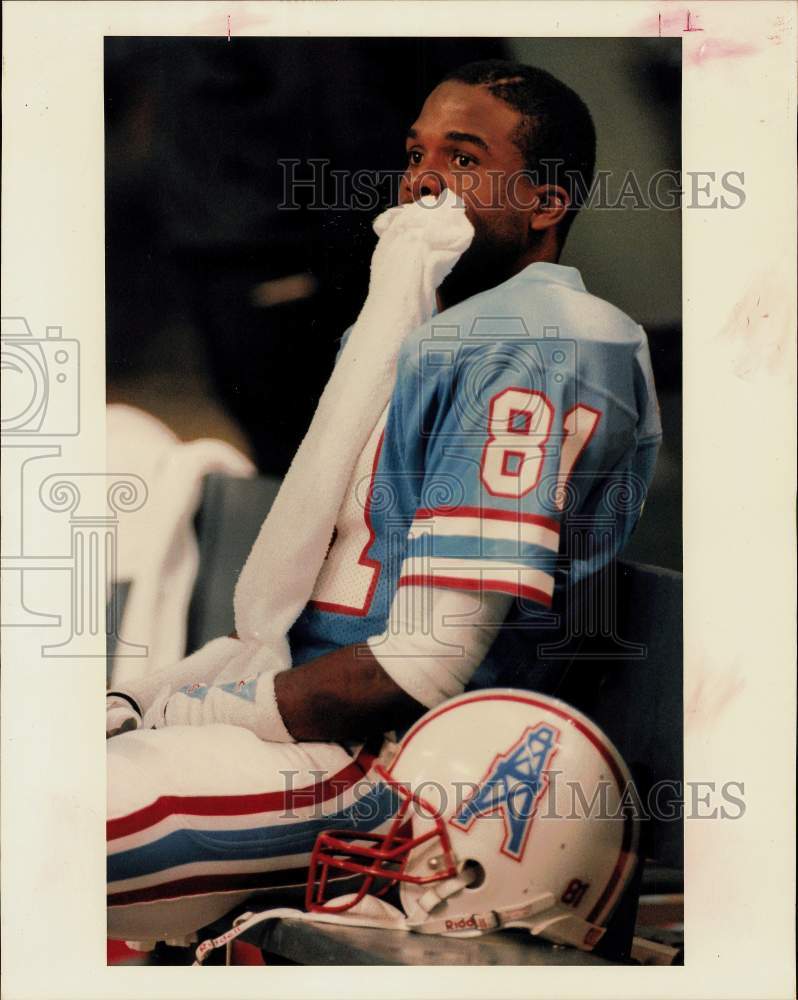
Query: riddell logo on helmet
<point>464,923</point>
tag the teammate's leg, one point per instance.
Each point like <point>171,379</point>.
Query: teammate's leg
<point>199,818</point>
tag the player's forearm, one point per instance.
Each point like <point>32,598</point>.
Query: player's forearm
<point>342,695</point>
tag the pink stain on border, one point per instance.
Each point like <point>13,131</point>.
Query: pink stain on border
<point>713,49</point>
<point>676,22</point>
<point>710,697</point>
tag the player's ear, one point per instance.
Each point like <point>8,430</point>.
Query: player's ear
<point>552,204</point>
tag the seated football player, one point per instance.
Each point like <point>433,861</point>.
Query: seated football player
<point>483,402</point>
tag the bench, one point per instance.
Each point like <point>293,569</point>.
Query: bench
<point>325,944</point>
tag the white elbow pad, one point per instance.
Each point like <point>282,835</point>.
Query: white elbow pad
<point>436,638</point>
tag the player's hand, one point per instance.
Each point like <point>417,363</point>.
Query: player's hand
<point>155,716</point>
<point>120,717</point>
<point>126,727</point>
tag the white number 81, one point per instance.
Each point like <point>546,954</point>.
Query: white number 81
<point>519,425</point>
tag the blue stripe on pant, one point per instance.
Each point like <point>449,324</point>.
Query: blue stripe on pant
<point>190,846</point>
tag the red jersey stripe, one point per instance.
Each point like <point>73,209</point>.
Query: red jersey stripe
<point>491,513</point>
<point>462,583</point>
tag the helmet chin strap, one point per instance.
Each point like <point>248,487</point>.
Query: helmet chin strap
<point>552,924</point>
<point>566,928</point>
<point>369,912</point>
<point>473,924</point>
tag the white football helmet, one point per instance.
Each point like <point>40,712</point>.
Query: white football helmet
<point>514,812</point>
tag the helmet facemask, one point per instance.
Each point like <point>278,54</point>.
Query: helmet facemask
<point>381,859</point>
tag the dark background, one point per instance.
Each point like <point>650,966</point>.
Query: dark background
<point>195,239</point>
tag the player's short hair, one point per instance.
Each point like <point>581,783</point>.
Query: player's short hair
<point>556,136</point>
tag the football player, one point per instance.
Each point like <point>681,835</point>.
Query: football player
<point>523,404</point>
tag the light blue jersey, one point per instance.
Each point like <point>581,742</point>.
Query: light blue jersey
<point>514,456</point>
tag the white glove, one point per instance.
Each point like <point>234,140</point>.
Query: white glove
<point>242,696</point>
<point>204,665</point>
<point>154,717</point>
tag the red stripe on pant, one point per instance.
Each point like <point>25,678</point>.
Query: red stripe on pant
<point>240,805</point>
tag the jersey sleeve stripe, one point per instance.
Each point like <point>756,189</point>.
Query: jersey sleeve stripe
<point>514,588</point>
<point>503,529</point>
<point>479,574</point>
<point>490,513</point>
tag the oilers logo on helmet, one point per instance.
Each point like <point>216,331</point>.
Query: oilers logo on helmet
<point>458,873</point>
<point>512,787</point>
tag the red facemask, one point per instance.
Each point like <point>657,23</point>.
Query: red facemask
<point>381,858</point>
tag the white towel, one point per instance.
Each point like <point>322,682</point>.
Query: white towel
<point>162,540</point>
<point>419,245</point>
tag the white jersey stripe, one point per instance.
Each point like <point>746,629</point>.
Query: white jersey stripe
<point>486,527</point>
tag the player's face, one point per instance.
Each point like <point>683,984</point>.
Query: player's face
<point>463,140</point>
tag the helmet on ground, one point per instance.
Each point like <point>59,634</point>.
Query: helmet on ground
<point>513,810</point>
